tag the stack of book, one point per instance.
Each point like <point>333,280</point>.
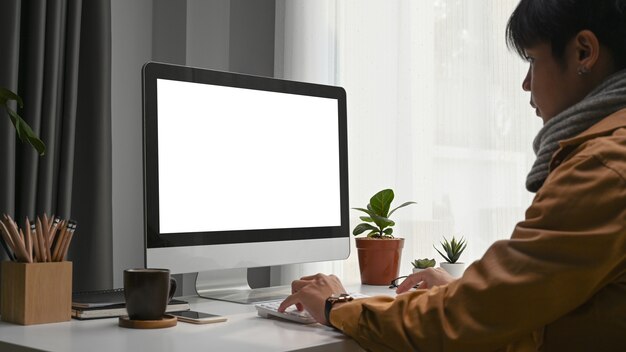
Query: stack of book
<point>109,304</point>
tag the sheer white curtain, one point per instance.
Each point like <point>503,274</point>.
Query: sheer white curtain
<point>435,111</point>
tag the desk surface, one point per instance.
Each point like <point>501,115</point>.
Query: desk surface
<point>244,331</point>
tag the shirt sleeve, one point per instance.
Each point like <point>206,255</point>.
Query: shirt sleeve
<point>571,244</point>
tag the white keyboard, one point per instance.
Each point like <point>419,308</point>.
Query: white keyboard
<point>267,309</point>
<point>270,309</point>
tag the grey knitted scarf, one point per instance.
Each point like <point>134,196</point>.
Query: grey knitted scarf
<point>605,99</point>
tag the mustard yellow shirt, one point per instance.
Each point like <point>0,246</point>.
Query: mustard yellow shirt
<point>559,283</point>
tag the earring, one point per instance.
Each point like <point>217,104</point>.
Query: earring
<point>582,70</point>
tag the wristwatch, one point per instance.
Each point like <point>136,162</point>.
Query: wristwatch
<point>330,301</point>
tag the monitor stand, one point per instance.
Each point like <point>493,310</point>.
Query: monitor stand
<point>232,285</point>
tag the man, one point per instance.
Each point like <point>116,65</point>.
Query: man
<point>559,283</point>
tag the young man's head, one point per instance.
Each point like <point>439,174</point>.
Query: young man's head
<point>558,21</point>
<point>571,46</point>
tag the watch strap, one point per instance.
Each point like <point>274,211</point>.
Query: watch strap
<point>330,301</point>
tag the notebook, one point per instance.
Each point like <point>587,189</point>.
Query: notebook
<point>109,303</point>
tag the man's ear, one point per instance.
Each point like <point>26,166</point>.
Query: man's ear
<point>587,48</point>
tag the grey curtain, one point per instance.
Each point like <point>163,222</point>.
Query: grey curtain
<point>56,55</point>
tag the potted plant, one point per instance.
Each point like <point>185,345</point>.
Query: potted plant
<point>421,264</point>
<point>453,250</point>
<point>379,252</point>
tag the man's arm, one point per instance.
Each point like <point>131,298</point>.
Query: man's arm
<point>556,260</point>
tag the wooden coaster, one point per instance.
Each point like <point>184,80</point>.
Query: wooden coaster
<point>166,322</point>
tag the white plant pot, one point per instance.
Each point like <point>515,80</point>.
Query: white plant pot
<point>455,270</point>
<point>417,270</point>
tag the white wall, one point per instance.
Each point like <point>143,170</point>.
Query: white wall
<point>131,48</point>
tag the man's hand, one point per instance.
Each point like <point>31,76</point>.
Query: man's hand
<point>426,278</point>
<point>310,293</point>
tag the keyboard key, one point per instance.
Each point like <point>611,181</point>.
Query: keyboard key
<point>270,309</point>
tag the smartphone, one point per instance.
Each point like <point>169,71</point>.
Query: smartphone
<point>190,316</point>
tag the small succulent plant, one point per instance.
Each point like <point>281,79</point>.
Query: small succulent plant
<point>423,263</point>
<point>453,249</point>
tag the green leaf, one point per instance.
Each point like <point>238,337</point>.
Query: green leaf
<point>444,256</point>
<point>360,228</point>
<point>388,231</point>
<point>453,249</point>
<point>367,211</point>
<point>366,218</point>
<point>24,132</point>
<point>423,263</point>
<point>381,202</point>
<point>400,206</point>
<point>382,222</point>
<point>6,95</point>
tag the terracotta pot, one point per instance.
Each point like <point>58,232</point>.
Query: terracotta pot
<point>379,259</point>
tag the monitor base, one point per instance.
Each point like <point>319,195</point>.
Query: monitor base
<point>232,286</point>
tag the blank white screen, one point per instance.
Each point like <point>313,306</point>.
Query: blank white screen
<point>241,159</point>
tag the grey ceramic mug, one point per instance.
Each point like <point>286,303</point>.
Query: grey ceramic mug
<point>147,292</point>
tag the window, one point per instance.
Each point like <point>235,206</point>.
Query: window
<point>435,111</point>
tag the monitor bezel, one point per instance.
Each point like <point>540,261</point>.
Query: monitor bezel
<point>151,72</point>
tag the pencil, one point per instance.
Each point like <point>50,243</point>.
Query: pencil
<point>42,241</point>
<point>28,258</point>
<point>53,231</point>
<point>6,247</point>
<point>45,226</point>
<point>29,240</point>
<point>44,222</point>
<point>44,229</point>
<point>15,238</point>
<point>72,228</point>
<point>18,249</point>
<point>35,240</point>
<point>7,242</point>
<point>60,241</point>
<point>17,234</point>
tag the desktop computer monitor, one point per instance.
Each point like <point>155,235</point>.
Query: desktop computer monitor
<point>242,171</point>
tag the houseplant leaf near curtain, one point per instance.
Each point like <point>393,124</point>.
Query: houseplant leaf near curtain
<point>24,132</point>
<point>56,55</point>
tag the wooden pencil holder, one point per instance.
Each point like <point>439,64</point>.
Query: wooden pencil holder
<point>36,293</point>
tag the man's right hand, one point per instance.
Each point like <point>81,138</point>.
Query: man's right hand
<point>426,278</point>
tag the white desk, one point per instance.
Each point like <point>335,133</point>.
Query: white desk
<point>244,331</point>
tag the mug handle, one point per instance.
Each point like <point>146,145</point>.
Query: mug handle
<point>172,289</point>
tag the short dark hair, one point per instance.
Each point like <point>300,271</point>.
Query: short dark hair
<point>558,21</point>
